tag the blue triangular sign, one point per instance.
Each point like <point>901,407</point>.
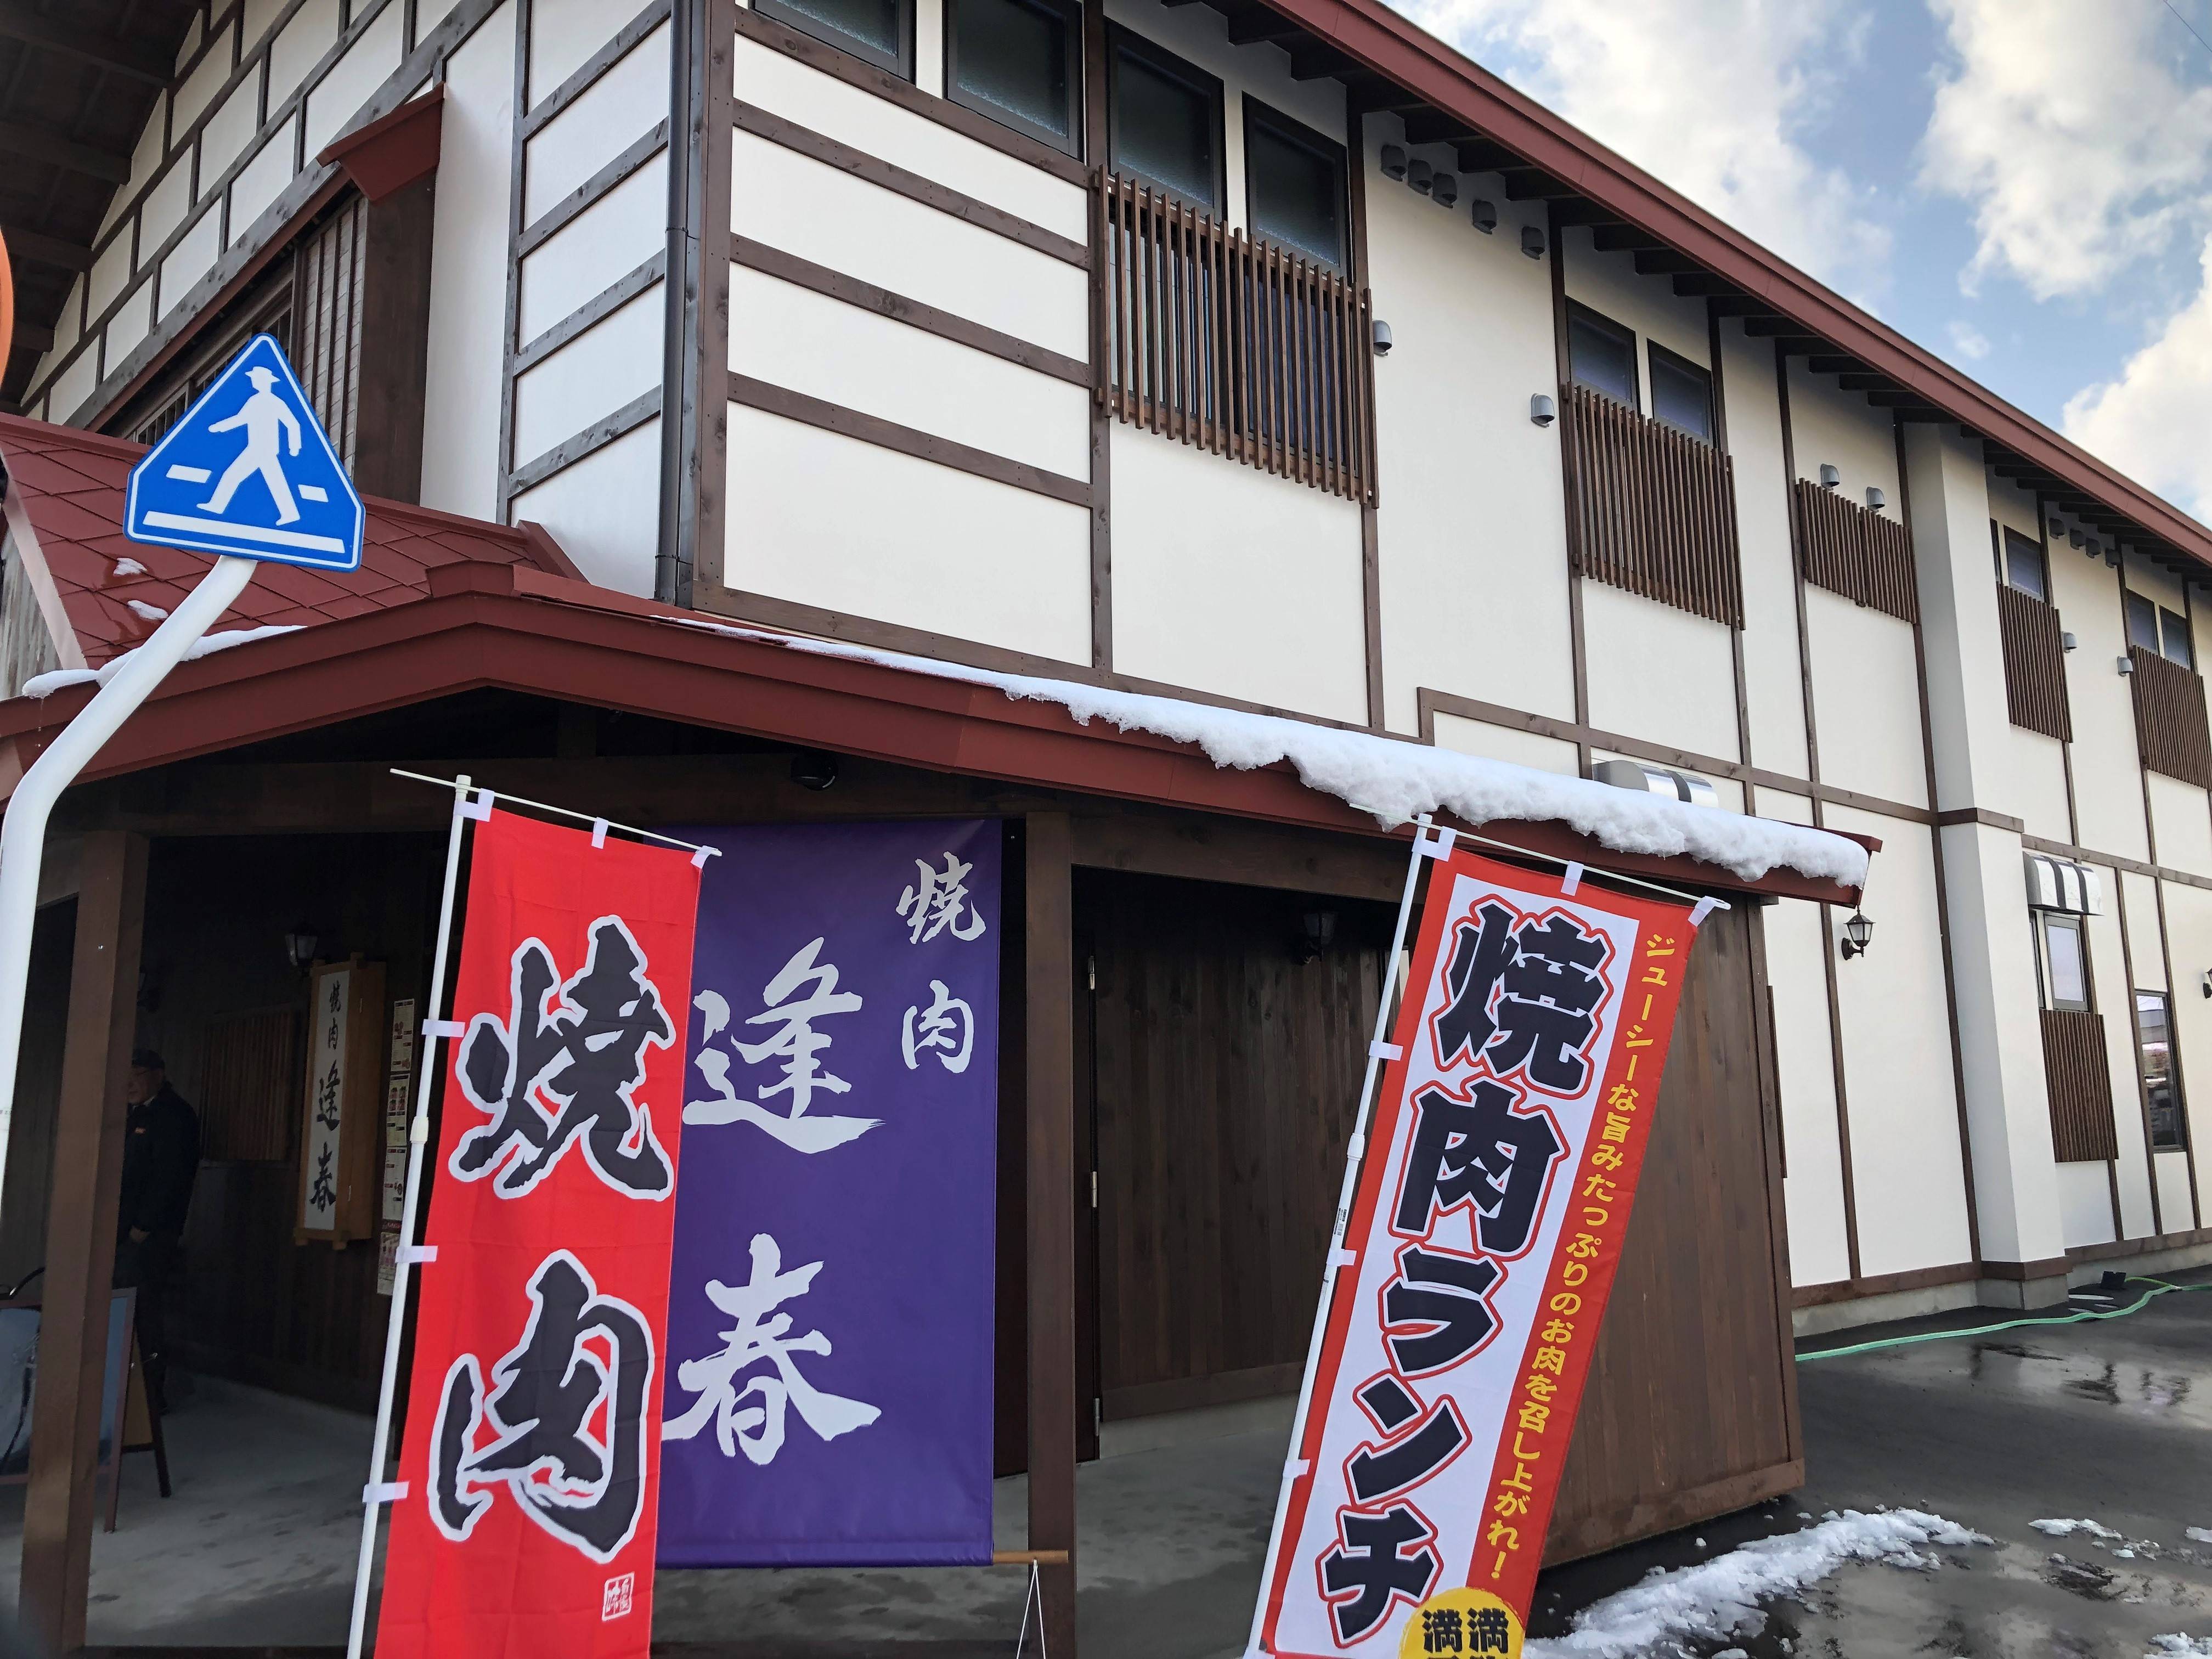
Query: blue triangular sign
<point>249,470</point>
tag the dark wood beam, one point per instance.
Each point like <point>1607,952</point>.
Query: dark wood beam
<point>1766,328</point>
<point>1312,60</point>
<point>1482,155</point>
<point>35,145</point>
<point>1860,382</point>
<point>1580,210</point>
<point>1699,285</point>
<point>1254,24</point>
<point>1800,345</point>
<point>1534,185</point>
<point>1834,363</point>
<point>30,337</point>
<point>1920,414</point>
<point>37,248</point>
<point>1428,126</point>
<point>1665,262</point>
<point>20,19</point>
<point>1624,239</point>
<point>1743,306</point>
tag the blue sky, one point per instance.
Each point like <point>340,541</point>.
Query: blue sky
<point>2023,186</point>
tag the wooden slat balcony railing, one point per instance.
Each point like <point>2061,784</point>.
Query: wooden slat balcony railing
<point>2078,1075</point>
<point>2171,727</point>
<point>1654,508</point>
<point>1234,346</point>
<point>1855,551</point>
<point>2034,664</point>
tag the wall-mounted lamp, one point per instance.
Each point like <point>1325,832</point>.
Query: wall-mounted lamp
<point>1393,162</point>
<point>1486,215</point>
<point>1857,932</point>
<point>2058,529</point>
<point>2095,548</point>
<point>814,768</point>
<point>2067,641</point>
<point>2127,665</point>
<point>1532,241</point>
<point>1542,410</point>
<point>1444,191</point>
<point>1875,500</point>
<point>2077,537</point>
<point>1381,339</point>
<point>2207,981</point>
<point>299,945</point>
<point>1420,175</point>
<point>1830,478</point>
<point>1317,932</point>
<point>2112,557</point>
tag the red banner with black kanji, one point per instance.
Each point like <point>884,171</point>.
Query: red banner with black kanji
<point>1486,1228</point>
<point>532,1456</point>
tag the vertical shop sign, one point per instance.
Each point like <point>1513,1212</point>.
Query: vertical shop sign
<point>340,1142</point>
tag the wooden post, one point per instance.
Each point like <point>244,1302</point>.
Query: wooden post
<point>86,1192</point>
<point>1051,1221</point>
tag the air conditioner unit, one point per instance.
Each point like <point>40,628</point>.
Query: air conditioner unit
<point>1685,786</point>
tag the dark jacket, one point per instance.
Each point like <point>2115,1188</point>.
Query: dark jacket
<point>161,1156</point>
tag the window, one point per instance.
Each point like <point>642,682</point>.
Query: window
<point>2063,961</point>
<point>1601,354</point>
<point>1017,62</point>
<point>1166,121</point>
<point>2142,622</point>
<point>1294,184</point>
<point>2173,633</point>
<point>1681,394</point>
<point>2154,1053</point>
<point>2023,565</point>
<point>2161,632</point>
<point>880,31</point>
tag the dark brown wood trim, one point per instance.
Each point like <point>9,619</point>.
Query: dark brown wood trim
<point>906,440</point>
<point>1050,1212</point>
<point>1576,643</point>
<point>2066,747</point>
<point>1184,1393</point>
<point>510,316</point>
<point>832,153</point>
<point>597,436</point>
<point>1370,522</point>
<point>84,1193</point>
<point>2114,860</point>
<point>2021,1272</point>
<point>768,612</point>
<point>706,425</point>
<point>1094,98</point>
<point>1828,950</point>
<point>587,196</point>
<point>2134,1052</point>
<point>1852,1289</point>
<point>1248,855</point>
<point>1611,1528</point>
<point>631,35</point>
<point>1761,995</point>
<point>2120,1249</point>
<point>1981,815</point>
<point>766,31</point>
<point>915,313</point>
<point>1735,634</point>
<point>597,309</point>
<point>1935,858</point>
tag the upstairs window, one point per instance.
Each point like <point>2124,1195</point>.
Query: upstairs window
<point>1294,184</point>
<point>2173,638</point>
<point>2065,964</point>
<point>1681,394</point>
<point>2154,1053</point>
<point>1166,121</point>
<point>1017,62</point>
<point>879,31</point>
<point>2163,632</point>
<point>1601,354</point>
<point>2023,566</point>
<point>2143,623</point>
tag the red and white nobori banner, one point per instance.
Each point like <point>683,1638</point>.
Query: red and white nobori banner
<point>532,1450</point>
<point>1484,1230</point>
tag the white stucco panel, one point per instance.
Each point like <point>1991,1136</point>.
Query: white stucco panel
<point>1866,698</point>
<point>353,79</point>
<point>2175,1206</point>
<point>2107,783</point>
<point>2179,813</point>
<point>262,180</point>
<point>603,510</point>
<point>1658,673</point>
<point>299,47</point>
<point>563,35</point>
<point>1773,681</point>
<point>597,248</point>
<point>614,362</point>
<point>621,107</point>
<point>2084,1204</point>
<point>1812,1190</point>
<point>1508,743</point>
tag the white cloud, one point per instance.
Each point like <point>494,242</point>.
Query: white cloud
<point>2066,127</point>
<point>2151,421</point>
<point>1969,342</point>
<point>1709,95</point>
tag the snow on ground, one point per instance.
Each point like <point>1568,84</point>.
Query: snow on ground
<point>2180,1647</point>
<point>2067,1528</point>
<point>1396,780</point>
<point>45,686</point>
<point>1721,1597</point>
<point>2202,1535</point>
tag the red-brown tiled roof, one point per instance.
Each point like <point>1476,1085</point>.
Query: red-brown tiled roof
<point>71,485</point>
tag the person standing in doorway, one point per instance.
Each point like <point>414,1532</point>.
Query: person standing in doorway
<point>160,1156</point>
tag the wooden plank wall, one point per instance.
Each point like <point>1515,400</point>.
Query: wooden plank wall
<point>38,1094</point>
<point>2034,664</point>
<point>2079,1076</point>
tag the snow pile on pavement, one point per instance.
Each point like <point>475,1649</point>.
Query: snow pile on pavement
<point>2202,1535</point>
<point>1721,1596</point>
<point>2067,1528</point>
<point>45,686</point>
<point>2180,1647</point>
<point>1396,780</point>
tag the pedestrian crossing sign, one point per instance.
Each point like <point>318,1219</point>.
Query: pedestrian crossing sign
<point>248,470</point>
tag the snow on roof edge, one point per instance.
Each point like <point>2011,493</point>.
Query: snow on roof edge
<point>1394,780</point>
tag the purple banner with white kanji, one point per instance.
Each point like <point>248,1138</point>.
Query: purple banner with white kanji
<point>827,1397</point>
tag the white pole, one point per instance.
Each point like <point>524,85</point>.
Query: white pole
<point>23,833</point>
<point>1354,1152</point>
<point>418,1136</point>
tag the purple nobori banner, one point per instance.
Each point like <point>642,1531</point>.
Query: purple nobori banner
<point>828,1400</point>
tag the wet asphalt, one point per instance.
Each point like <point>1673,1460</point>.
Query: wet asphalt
<point>2108,1420</point>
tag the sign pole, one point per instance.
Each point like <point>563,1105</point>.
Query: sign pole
<point>376,1493</point>
<point>23,832</point>
<point>1426,845</point>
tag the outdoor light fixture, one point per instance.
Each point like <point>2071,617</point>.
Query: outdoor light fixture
<point>1532,241</point>
<point>2096,548</point>
<point>1542,410</point>
<point>2067,641</point>
<point>1420,175</point>
<point>2127,665</point>
<point>1486,215</point>
<point>814,768</point>
<point>1444,191</point>
<point>1875,500</point>
<point>2207,981</point>
<point>2079,538</point>
<point>2057,529</point>
<point>1830,478</point>
<point>1393,162</point>
<point>1381,339</point>
<point>1317,930</point>
<point>299,945</point>
<point>1857,932</point>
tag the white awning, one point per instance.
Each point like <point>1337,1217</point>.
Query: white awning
<point>2057,883</point>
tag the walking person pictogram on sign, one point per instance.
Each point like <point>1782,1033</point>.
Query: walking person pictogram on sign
<point>261,415</point>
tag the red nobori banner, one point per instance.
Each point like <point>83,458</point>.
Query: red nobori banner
<point>532,1449</point>
<point>1484,1234</point>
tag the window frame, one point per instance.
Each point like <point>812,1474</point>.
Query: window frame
<point>2063,921</point>
<point>1658,354</point>
<point>1071,16</point>
<point>2007,536</point>
<point>1121,41</point>
<point>1576,309</point>
<point>2172,1080</point>
<point>2130,600</point>
<point>900,64</point>
<point>1297,133</point>
<point>2171,624</point>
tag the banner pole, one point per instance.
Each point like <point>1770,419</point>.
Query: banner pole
<point>376,1493</point>
<point>1425,846</point>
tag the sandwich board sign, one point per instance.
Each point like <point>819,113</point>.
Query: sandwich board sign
<point>249,471</point>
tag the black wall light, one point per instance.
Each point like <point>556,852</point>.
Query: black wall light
<point>814,768</point>
<point>1858,930</point>
<point>1486,215</point>
<point>1532,241</point>
<point>1393,162</point>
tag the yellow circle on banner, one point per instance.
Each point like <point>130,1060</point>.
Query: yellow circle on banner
<point>1461,1624</point>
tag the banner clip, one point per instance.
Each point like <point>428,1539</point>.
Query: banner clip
<point>1295,1468</point>
<point>1343,1258</point>
<point>1353,1148</point>
<point>599,832</point>
<point>434,1029</point>
<point>418,1256</point>
<point>701,854</point>
<point>1570,880</point>
<point>1703,908</point>
<point>1380,1050</point>
<point>479,809</point>
<point>383,1492</point>
<point>1436,844</point>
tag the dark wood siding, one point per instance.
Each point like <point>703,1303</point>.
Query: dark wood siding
<point>1857,552</point>
<point>1654,508</point>
<point>2079,1076</point>
<point>249,1084</point>
<point>326,338</point>
<point>2171,727</point>
<point>2034,664</point>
